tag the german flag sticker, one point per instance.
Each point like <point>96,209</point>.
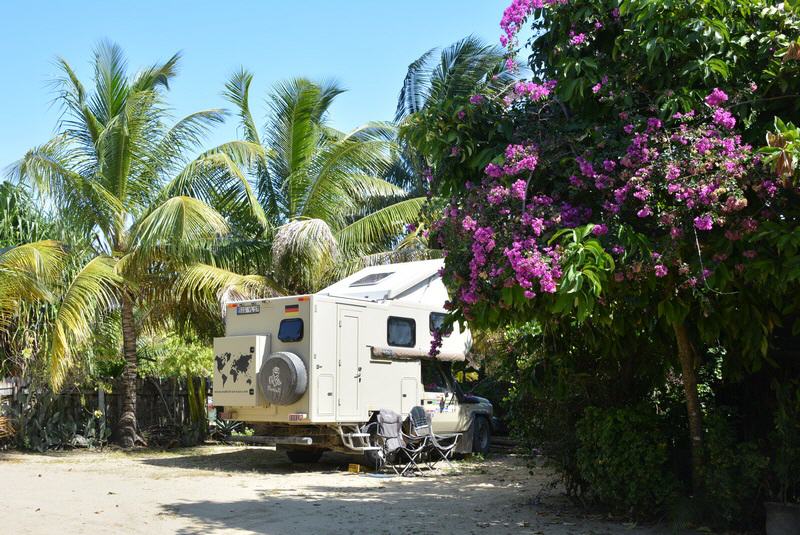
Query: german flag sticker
<point>291,309</point>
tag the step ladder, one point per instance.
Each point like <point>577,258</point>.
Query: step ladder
<point>353,438</point>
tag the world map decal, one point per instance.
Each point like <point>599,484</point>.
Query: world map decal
<point>234,368</point>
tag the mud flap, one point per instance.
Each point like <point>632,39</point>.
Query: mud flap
<point>464,444</point>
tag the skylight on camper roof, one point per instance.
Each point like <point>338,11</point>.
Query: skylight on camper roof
<point>370,279</point>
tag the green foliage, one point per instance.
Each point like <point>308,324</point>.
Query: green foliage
<point>786,441</point>
<point>735,473</point>
<point>624,456</point>
<point>783,149</point>
<point>164,355</point>
<point>223,429</point>
<point>669,54</point>
<point>43,422</point>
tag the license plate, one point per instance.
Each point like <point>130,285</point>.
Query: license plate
<point>248,309</point>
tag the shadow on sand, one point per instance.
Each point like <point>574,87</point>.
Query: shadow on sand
<point>260,460</point>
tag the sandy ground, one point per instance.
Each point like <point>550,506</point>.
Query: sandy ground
<point>218,489</point>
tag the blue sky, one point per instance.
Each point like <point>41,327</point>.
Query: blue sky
<point>365,45</point>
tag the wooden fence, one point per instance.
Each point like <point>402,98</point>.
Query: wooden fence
<point>159,402</point>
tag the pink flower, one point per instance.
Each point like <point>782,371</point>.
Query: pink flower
<point>469,224</point>
<point>653,123</point>
<point>704,222</point>
<point>533,90</point>
<point>644,212</point>
<point>673,172</point>
<point>577,39</point>
<point>476,99</point>
<point>724,118</point>
<point>716,97</point>
<point>493,170</point>
<point>518,189</point>
<point>661,270</point>
<point>497,194</point>
<point>750,253</point>
<point>600,230</point>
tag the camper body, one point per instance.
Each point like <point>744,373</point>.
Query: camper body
<point>309,372</point>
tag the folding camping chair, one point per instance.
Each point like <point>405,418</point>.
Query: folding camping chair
<point>397,448</point>
<point>439,447</point>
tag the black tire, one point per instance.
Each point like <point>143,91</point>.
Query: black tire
<point>481,435</point>
<point>310,455</point>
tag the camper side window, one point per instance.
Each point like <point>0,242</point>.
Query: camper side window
<point>291,330</point>
<point>437,323</point>
<point>401,332</point>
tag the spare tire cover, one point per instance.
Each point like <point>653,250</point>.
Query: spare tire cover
<point>283,378</point>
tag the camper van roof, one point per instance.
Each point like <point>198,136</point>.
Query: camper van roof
<point>386,281</point>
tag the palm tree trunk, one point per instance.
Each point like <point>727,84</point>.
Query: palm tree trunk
<point>128,427</point>
<point>688,372</point>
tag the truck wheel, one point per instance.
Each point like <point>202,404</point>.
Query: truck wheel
<point>482,436</point>
<point>310,455</point>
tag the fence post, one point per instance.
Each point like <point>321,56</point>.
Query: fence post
<point>101,401</point>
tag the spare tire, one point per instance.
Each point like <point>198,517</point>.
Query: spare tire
<point>283,378</point>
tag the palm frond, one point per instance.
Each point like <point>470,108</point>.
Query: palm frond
<point>92,292</point>
<point>380,225</point>
<point>27,274</point>
<point>179,220</point>
<point>203,282</point>
<point>237,92</point>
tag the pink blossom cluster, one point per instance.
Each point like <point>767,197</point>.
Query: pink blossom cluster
<point>533,90</point>
<point>515,16</point>
<point>519,158</point>
<point>490,216</point>
<point>689,176</point>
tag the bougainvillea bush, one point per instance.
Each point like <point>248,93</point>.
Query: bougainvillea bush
<point>625,181</point>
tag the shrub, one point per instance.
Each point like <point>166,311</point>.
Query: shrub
<point>734,475</point>
<point>623,455</point>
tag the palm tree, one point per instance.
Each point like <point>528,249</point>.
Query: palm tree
<point>462,69</point>
<point>459,71</point>
<point>120,175</point>
<point>328,206</point>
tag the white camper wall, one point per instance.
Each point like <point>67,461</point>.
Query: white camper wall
<point>267,320</point>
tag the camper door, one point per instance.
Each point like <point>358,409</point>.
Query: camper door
<point>352,356</point>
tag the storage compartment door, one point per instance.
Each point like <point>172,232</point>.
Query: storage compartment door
<point>408,394</point>
<point>236,361</point>
<point>325,400</point>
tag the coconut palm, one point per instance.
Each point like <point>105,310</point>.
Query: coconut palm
<point>460,70</point>
<point>328,205</point>
<point>118,173</point>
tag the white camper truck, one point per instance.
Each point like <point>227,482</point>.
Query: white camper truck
<point>308,372</point>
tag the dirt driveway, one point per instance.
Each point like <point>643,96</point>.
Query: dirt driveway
<point>241,490</point>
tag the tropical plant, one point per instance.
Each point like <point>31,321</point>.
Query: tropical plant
<point>328,206</point>
<point>121,175</point>
<point>679,232</point>
<point>27,273</point>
